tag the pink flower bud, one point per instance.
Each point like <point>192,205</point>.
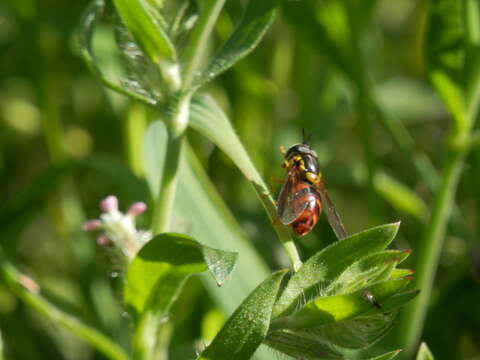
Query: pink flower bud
<point>91,225</point>
<point>137,208</point>
<point>103,240</point>
<point>109,204</point>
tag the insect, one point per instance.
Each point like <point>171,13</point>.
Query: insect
<point>303,194</point>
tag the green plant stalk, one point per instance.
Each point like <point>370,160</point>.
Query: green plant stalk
<point>460,142</point>
<point>177,116</point>
<point>135,124</point>
<point>152,336</point>
<point>153,329</point>
<point>176,121</point>
<point>199,38</point>
<point>102,343</point>
<point>164,336</point>
<point>429,252</point>
<point>145,338</point>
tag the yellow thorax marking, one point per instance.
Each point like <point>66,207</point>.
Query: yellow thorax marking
<point>313,178</point>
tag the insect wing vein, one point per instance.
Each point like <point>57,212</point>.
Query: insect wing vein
<point>332,214</point>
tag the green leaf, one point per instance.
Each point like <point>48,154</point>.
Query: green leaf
<point>397,300</point>
<point>400,196</point>
<point>399,273</point>
<point>156,277</point>
<point>245,330</point>
<point>366,271</point>
<point>304,346</point>
<point>300,347</point>
<point>357,333</point>
<point>424,352</point>
<point>143,23</point>
<point>138,73</point>
<point>85,33</point>
<point>165,261</point>
<point>257,18</point>
<point>183,15</point>
<point>322,268</point>
<point>210,221</point>
<point>332,309</point>
<point>209,120</point>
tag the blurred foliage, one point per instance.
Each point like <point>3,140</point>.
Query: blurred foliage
<point>64,146</point>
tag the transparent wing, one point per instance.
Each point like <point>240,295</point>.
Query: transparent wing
<point>288,209</point>
<point>332,214</point>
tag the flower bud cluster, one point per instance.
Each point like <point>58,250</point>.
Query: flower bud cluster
<point>118,228</point>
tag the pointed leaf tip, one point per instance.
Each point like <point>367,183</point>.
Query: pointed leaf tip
<point>220,263</point>
<point>171,254</point>
<point>424,352</point>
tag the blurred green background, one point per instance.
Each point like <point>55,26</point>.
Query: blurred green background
<point>64,147</point>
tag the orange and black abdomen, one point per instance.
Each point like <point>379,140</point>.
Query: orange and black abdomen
<point>306,196</point>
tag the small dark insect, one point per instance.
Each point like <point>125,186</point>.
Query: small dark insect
<point>303,193</point>
<point>371,299</point>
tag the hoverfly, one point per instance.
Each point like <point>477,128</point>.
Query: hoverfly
<point>303,193</point>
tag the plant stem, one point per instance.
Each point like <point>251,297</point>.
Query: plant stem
<point>429,253</point>
<point>153,330</point>
<point>176,121</point>
<point>178,113</point>
<point>135,124</point>
<point>196,47</point>
<point>460,141</point>
<point>13,279</point>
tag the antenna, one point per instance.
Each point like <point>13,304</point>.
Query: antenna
<point>306,139</point>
